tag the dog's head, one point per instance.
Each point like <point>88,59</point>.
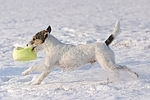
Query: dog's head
<point>40,37</point>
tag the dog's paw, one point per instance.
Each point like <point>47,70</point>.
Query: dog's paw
<point>35,83</point>
<point>25,73</point>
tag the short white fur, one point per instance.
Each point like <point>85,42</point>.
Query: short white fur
<point>69,57</point>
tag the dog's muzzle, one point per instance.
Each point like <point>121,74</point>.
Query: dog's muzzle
<point>31,44</point>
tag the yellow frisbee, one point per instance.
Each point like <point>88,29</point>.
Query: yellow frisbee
<point>24,54</point>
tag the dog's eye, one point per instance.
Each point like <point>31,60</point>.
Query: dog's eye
<point>34,39</point>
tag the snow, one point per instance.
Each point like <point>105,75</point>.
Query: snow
<point>76,22</point>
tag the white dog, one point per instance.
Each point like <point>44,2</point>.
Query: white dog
<point>69,57</point>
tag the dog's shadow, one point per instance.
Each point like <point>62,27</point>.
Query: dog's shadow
<point>11,71</point>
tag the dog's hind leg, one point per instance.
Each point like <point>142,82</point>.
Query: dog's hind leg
<point>124,68</point>
<point>108,65</point>
<point>106,59</point>
<point>107,62</point>
<point>111,66</point>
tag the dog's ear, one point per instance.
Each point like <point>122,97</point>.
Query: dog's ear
<point>49,29</point>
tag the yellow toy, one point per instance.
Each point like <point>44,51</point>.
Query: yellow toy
<point>24,53</point>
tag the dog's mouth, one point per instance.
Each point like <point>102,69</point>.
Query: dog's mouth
<point>33,48</point>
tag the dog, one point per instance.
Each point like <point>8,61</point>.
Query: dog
<point>70,57</point>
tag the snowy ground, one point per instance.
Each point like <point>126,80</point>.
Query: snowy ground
<point>76,22</point>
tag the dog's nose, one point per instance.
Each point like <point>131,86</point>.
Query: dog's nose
<point>29,44</point>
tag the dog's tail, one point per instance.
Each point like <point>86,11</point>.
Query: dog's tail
<point>114,34</point>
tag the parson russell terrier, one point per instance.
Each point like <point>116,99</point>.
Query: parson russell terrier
<point>69,57</point>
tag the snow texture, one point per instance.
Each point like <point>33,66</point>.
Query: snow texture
<point>76,22</point>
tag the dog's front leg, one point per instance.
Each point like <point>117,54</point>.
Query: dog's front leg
<point>45,71</point>
<point>31,69</point>
<point>41,78</point>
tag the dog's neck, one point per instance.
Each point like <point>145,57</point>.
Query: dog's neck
<point>51,42</point>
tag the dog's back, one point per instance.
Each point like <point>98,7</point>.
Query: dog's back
<point>76,56</point>
<point>79,55</point>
